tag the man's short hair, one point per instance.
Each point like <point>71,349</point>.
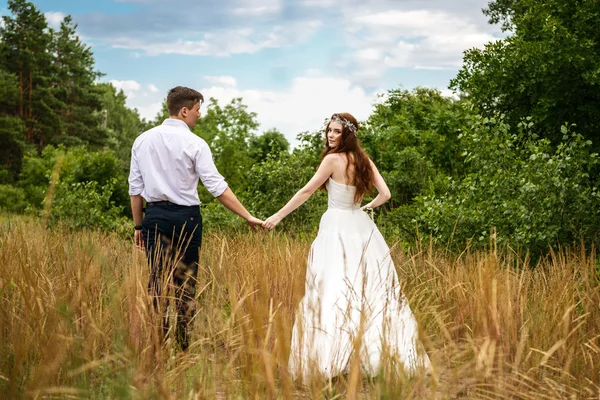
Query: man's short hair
<point>181,96</point>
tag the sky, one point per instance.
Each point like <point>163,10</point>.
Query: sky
<point>294,62</point>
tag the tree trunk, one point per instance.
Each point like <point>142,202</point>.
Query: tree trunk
<point>21,94</point>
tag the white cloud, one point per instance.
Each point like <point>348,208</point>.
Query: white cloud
<point>149,111</point>
<point>418,38</point>
<point>257,7</point>
<point>152,88</point>
<point>407,38</point>
<point>226,43</point>
<point>449,93</point>
<point>130,87</point>
<point>221,80</point>
<point>301,107</point>
<point>54,18</point>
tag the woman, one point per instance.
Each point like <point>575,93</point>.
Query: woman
<point>352,298</point>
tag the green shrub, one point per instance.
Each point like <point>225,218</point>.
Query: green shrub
<point>86,205</point>
<point>79,166</point>
<point>532,194</point>
<point>12,199</point>
<point>273,183</point>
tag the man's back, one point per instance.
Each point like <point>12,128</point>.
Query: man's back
<point>168,160</point>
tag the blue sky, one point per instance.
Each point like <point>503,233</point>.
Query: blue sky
<point>294,62</point>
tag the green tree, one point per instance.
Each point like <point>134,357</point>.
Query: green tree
<point>122,124</point>
<point>12,129</point>
<point>272,143</point>
<point>24,51</point>
<point>228,130</point>
<point>58,100</point>
<point>73,85</point>
<point>547,68</point>
<point>533,194</point>
<point>85,176</point>
<point>413,137</point>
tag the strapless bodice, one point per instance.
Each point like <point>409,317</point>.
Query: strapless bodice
<point>341,196</point>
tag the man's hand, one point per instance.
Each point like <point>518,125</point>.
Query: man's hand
<point>137,238</point>
<point>254,222</point>
<point>272,222</point>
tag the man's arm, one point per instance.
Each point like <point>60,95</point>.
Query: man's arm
<point>137,202</point>
<point>136,186</point>
<point>216,185</point>
<point>231,202</point>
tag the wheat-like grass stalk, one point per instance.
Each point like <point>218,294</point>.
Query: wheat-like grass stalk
<point>76,322</point>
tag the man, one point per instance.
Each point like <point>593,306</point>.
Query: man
<point>166,163</point>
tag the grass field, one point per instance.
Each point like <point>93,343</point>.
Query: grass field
<point>76,322</point>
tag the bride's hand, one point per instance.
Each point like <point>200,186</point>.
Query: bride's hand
<point>271,222</point>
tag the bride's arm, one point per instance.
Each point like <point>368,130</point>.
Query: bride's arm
<point>383,192</point>
<point>323,173</point>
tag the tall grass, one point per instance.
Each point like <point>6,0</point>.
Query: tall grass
<point>76,322</point>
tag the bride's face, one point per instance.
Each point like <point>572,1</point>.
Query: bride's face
<point>334,134</point>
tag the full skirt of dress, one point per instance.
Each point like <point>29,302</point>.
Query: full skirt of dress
<point>352,303</point>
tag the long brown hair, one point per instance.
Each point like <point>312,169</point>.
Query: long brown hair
<point>363,173</point>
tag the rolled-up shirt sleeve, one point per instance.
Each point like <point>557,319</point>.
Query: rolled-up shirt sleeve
<point>136,182</point>
<point>207,171</point>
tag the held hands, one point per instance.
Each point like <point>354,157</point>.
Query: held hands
<point>254,222</point>
<point>272,222</point>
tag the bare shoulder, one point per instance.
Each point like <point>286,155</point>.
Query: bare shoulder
<point>372,164</point>
<point>330,158</point>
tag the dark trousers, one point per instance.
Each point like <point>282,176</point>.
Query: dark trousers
<point>172,237</point>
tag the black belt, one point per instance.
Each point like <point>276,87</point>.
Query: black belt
<point>168,204</point>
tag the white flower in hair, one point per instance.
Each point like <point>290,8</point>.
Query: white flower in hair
<point>346,123</point>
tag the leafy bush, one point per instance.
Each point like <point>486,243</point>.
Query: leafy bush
<point>272,184</point>
<point>412,138</point>
<point>12,199</point>
<point>534,195</point>
<point>216,217</point>
<point>91,191</point>
<point>79,166</point>
<point>87,205</point>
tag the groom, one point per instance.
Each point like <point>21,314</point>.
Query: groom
<point>166,163</point>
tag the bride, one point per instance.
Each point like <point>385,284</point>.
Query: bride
<point>353,308</point>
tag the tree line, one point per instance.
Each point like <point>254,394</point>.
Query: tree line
<point>514,157</point>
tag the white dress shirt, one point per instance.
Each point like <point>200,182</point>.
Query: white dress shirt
<point>166,163</point>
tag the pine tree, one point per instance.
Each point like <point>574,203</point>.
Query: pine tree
<point>12,128</point>
<point>25,52</point>
<point>74,87</point>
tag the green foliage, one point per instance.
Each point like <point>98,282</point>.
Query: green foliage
<point>92,190</point>
<point>531,180</point>
<point>532,194</point>
<point>272,184</point>
<point>48,82</point>
<point>122,124</point>
<point>73,86</point>
<point>12,136</point>
<point>216,217</point>
<point>12,199</point>
<point>25,44</point>
<point>548,68</point>
<point>412,138</point>
<point>227,130</point>
<point>272,143</point>
<point>87,205</point>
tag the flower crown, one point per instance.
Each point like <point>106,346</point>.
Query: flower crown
<point>345,122</point>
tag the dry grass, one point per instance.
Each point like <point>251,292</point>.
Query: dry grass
<point>75,322</point>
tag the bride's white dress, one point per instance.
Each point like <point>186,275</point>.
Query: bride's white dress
<point>352,299</point>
